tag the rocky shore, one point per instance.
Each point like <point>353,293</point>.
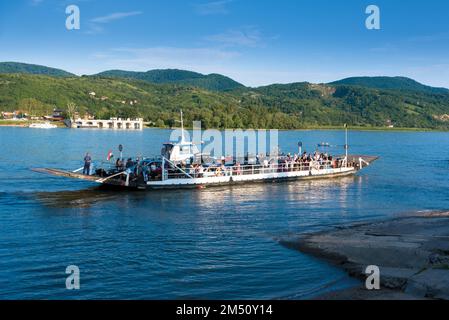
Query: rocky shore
<point>411,252</point>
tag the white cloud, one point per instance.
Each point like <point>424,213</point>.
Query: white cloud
<point>94,28</point>
<point>215,7</point>
<point>96,25</point>
<point>115,16</point>
<point>204,60</point>
<point>437,37</point>
<point>247,37</point>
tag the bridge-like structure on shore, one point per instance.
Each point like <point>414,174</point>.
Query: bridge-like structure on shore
<point>112,124</point>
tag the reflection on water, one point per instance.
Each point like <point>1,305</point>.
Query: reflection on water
<point>218,243</point>
<point>76,199</point>
<point>308,191</point>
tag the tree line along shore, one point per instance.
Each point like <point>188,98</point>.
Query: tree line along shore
<point>26,123</point>
<point>369,105</point>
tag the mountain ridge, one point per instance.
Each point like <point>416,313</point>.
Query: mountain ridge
<point>390,83</point>
<point>27,68</point>
<point>219,82</point>
<point>213,81</point>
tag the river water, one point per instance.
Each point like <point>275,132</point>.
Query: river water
<point>216,243</point>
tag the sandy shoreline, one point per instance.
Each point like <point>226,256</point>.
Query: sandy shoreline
<point>412,253</point>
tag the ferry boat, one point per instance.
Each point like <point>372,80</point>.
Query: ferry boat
<point>43,125</point>
<point>182,165</point>
<point>324,145</point>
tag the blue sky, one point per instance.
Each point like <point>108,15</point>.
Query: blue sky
<point>254,42</point>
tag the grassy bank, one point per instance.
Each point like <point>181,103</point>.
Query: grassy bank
<point>12,123</point>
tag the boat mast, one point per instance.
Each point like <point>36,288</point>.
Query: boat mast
<point>346,144</point>
<point>183,140</point>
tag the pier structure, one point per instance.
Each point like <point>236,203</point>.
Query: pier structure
<point>112,124</point>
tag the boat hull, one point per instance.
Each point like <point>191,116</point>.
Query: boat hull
<point>256,178</point>
<point>209,181</point>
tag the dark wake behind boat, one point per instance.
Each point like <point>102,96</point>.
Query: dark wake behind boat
<point>181,165</point>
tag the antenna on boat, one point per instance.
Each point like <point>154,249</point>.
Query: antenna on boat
<point>182,129</point>
<point>346,144</point>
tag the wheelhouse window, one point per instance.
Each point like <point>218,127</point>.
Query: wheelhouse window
<point>184,150</point>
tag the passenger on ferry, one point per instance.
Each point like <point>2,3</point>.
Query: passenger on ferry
<point>129,163</point>
<point>266,163</point>
<point>200,171</point>
<point>87,164</point>
<point>238,169</point>
<point>119,164</point>
<point>223,169</point>
<point>145,172</point>
<point>155,171</point>
<point>218,172</point>
<point>137,168</point>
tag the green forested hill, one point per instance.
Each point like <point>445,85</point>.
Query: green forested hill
<point>297,105</point>
<point>215,82</point>
<point>16,67</point>
<point>322,105</point>
<point>113,97</point>
<point>393,83</point>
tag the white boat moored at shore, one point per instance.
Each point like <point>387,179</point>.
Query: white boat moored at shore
<point>43,125</point>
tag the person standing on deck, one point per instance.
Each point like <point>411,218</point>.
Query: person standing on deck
<point>87,163</point>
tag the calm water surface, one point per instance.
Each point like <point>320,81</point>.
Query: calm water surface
<point>218,243</point>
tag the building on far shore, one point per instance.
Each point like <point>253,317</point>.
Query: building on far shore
<point>16,115</point>
<point>8,115</point>
<point>390,124</point>
<point>112,124</point>
<point>58,115</point>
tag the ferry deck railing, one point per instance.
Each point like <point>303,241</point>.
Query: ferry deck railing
<point>176,172</point>
<point>172,171</point>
